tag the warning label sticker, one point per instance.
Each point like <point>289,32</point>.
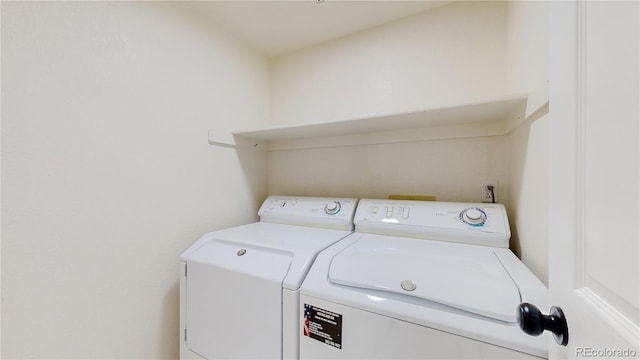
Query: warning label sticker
<point>322,325</point>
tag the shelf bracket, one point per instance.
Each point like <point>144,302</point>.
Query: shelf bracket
<point>227,139</point>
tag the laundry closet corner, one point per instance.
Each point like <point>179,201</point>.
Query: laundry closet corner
<point>460,53</point>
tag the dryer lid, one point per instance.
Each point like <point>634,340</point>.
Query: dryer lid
<point>466,277</point>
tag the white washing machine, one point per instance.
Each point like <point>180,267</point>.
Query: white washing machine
<point>420,280</point>
<point>239,287</point>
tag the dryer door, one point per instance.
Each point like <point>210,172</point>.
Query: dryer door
<point>234,301</point>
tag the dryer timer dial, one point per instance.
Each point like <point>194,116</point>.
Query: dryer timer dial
<point>332,208</point>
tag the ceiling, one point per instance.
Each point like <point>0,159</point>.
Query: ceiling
<point>279,27</point>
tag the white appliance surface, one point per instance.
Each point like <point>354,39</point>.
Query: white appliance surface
<point>401,297</point>
<point>470,278</point>
<point>235,278</point>
<point>264,244</point>
<point>480,224</point>
<point>328,213</point>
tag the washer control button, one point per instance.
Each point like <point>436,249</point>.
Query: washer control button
<point>389,211</point>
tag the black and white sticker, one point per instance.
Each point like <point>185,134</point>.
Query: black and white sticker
<point>323,325</point>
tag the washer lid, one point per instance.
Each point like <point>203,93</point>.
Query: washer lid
<point>466,277</point>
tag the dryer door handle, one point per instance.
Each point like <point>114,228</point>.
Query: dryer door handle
<point>533,322</point>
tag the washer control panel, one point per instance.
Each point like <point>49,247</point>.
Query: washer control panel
<point>334,213</point>
<point>473,223</point>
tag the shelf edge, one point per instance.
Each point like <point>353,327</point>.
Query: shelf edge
<point>475,119</point>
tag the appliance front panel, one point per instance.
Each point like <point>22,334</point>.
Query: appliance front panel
<point>319,212</point>
<point>470,223</point>
<point>235,311</point>
<point>366,335</point>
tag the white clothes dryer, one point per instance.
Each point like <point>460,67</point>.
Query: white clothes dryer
<point>239,287</point>
<point>420,280</point>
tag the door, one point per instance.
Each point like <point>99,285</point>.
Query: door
<point>234,301</point>
<point>593,228</point>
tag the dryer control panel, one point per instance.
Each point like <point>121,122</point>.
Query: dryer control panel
<point>330,213</point>
<point>471,223</point>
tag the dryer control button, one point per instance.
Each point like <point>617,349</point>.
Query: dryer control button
<point>408,285</point>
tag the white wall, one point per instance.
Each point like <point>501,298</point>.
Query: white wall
<point>527,46</point>
<point>452,54</point>
<point>449,169</point>
<point>528,200</point>
<point>449,55</point>
<point>107,175</point>
<point>527,56</point>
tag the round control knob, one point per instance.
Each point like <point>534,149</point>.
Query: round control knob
<point>332,208</point>
<point>473,216</point>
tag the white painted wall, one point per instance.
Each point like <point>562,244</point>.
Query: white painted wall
<point>107,175</point>
<point>528,54</point>
<point>449,169</point>
<point>528,159</point>
<point>449,55</point>
<point>527,46</point>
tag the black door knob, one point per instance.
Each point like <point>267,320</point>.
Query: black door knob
<point>533,322</point>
